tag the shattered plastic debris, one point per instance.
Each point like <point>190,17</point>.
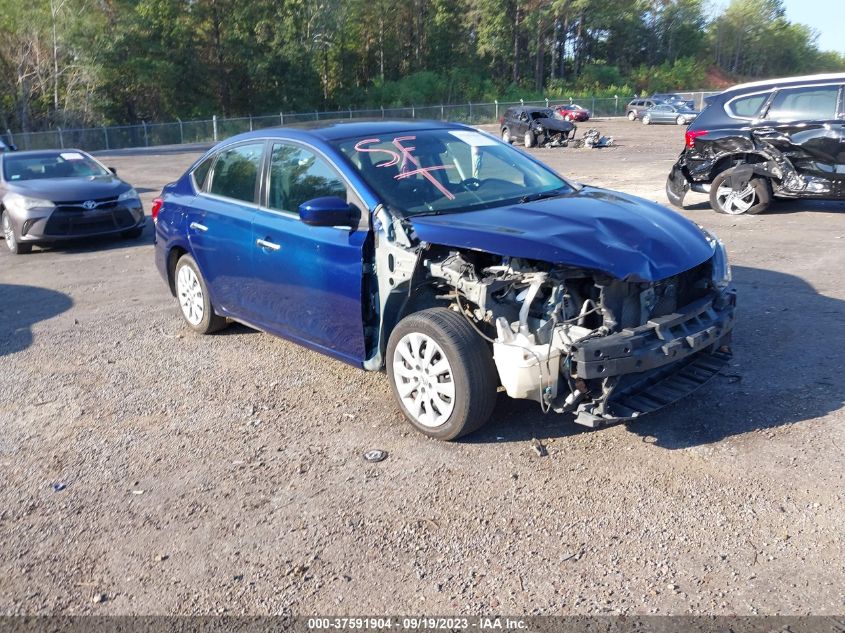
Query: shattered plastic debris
<point>375,455</point>
<point>58,486</point>
<point>593,138</point>
<point>539,448</point>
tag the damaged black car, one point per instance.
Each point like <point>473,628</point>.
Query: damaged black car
<point>781,138</point>
<point>541,127</point>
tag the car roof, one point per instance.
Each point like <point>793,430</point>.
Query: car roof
<point>46,153</point>
<point>338,129</point>
<point>785,81</point>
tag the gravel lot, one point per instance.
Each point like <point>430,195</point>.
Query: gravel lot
<point>223,474</point>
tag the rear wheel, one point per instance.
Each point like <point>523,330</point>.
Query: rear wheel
<point>193,297</point>
<point>15,247</point>
<point>506,135</point>
<point>441,373</point>
<point>632,116</point>
<point>680,120</point>
<point>752,199</point>
<point>529,139</point>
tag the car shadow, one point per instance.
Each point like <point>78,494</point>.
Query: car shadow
<point>783,207</point>
<point>789,350</point>
<point>23,306</point>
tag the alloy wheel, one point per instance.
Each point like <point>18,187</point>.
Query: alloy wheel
<point>189,290</point>
<point>736,202</point>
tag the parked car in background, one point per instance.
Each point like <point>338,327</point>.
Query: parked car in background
<point>666,113</point>
<point>535,126</point>
<point>6,147</point>
<point>572,112</point>
<point>635,109</point>
<point>52,195</point>
<point>782,138</point>
<point>674,99</point>
<point>455,262</point>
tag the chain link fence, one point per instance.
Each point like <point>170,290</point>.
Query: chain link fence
<point>218,128</point>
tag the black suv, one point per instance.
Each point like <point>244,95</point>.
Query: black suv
<point>783,138</point>
<point>535,126</point>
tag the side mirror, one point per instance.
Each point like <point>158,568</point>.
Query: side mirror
<point>113,170</point>
<point>327,211</point>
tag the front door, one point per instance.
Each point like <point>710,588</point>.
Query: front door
<point>307,281</point>
<point>219,223</point>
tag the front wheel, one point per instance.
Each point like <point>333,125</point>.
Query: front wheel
<point>529,139</point>
<point>441,373</point>
<point>15,247</point>
<point>192,293</point>
<point>646,119</point>
<point>752,199</point>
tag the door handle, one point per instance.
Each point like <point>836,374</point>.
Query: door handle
<point>267,244</point>
<point>199,227</point>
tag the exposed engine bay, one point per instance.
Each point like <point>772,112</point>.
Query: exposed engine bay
<point>541,319</point>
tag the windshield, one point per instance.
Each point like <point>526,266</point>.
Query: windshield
<point>50,165</point>
<point>442,171</point>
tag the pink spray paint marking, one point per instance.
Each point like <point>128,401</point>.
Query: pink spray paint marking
<point>406,157</point>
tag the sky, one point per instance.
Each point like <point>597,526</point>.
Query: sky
<point>825,16</point>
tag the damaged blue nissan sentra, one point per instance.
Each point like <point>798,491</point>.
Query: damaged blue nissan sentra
<point>454,261</point>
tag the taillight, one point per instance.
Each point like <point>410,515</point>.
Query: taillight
<point>156,208</point>
<point>691,135</point>
<point>501,120</point>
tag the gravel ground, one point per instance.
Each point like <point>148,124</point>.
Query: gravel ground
<point>223,474</point>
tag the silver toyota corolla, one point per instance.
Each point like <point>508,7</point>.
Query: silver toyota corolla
<point>52,195</point>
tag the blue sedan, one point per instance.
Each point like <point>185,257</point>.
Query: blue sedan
<point>453,261</point>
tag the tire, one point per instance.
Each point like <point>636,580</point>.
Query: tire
<point>646,119</point>
<point>15,247</point>
<point>506,135</point>
<point>529,139</point>
<point>194,301</point>
<point>133,234</point>
<point>632,116</point>
<point>681,120</point>
<point>467,383</point>
<point>756,200</point>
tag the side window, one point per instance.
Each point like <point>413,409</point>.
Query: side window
<point>748,107</point>
<point>811,103</point>
<point>298,175</point>
<point>201,172</point>
<point>236,172</point>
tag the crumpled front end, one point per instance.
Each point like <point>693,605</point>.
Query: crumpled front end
<point>583,342</point>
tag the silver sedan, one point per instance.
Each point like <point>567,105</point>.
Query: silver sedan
<point>668,113</point>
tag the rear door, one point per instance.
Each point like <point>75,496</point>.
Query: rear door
<point>219,224</point>
<point>306,281</point>
<point>804,123</point>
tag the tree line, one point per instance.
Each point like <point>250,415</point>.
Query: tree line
<point>91,62</point>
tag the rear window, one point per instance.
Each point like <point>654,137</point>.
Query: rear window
<point>747,107</point>
<point>816,103</point>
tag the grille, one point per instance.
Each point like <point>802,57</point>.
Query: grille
<point>70,219</point>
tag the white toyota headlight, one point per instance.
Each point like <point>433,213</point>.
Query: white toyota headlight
<point>19,203</point>
<point>128,195</point>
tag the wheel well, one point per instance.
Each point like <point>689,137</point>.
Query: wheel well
<point>172,257</point>
<point>732,160</point>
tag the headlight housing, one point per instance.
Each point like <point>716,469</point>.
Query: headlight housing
<point>722,275</point>
<point>20,203</point>
<point>128,195</point>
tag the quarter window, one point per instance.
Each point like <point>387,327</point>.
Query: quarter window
<point>201,172</point>
<point>748,107</point>
<point>816,103</point>
<point>298,175</point>
<point>236,172</point>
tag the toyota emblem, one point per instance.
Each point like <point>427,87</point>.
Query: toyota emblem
<point>89,204</point>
